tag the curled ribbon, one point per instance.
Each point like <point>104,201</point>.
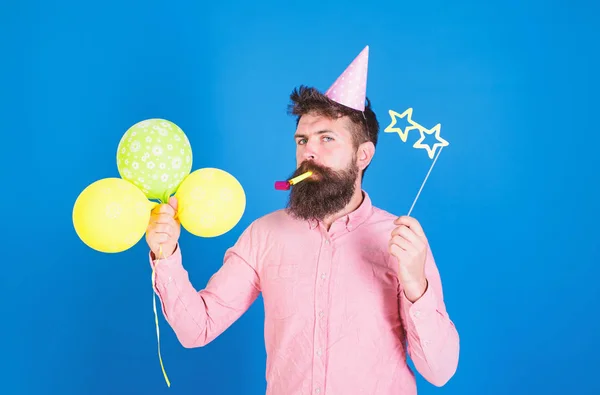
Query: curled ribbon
<point>160,254</point>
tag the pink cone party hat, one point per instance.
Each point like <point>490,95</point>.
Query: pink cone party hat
<point>351,87</point>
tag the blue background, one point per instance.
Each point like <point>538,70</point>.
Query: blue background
<point>511,207</point>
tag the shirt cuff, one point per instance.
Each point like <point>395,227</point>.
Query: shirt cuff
<point>167,269</point>
<point>422,307</point>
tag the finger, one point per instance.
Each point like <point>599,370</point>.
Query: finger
<point>157,239</point>
<point>403,244</point>
<point>411,223</point>
<point>164,219</point>
<point>164,229</point>
<point>166,209</point>
<point>410,236</point>
<point>396,251</point>
<point>405,220</point>
<point>399,253</point>
<point>174,203</point>
<point>407,233</point>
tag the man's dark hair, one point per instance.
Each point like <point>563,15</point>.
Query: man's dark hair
<point>305,100</point>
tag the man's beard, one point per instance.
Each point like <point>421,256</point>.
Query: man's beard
<point>330,192</point>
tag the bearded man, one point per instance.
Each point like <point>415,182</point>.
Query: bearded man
<point>350,291</point>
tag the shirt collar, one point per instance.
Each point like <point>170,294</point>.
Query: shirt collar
<point>355,218</point>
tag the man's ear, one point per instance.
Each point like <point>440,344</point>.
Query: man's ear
<point>364,154</point>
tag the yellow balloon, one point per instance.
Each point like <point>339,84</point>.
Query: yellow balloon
<point>111,215</point>
<point>210,202</point>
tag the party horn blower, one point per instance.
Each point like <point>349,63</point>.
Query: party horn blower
<point>285,185</point>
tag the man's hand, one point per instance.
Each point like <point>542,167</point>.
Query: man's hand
<point>163,229</point>
<point>409,245</point>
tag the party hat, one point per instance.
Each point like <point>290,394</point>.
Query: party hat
<point>350,88</point>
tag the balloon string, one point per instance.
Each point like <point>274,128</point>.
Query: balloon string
<point>424,181</point>
<point>160,254</point>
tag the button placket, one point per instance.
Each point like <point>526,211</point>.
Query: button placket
<point>321,308</point>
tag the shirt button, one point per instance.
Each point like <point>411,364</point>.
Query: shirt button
<point>318,390</point>
<point>323,276</point>
<point>327,242</point>
<point>319,352</point>
<point>321,314</point>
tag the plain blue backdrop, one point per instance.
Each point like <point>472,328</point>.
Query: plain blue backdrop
<point>511,207</point>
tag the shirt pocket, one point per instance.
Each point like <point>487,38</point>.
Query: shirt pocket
<point>280,293</point>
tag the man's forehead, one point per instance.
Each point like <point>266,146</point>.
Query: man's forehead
<point>312,123</point>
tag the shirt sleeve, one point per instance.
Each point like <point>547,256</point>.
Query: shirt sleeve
<point>198,317</point>
<point>432,338</point>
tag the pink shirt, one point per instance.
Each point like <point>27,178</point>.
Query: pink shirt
<point>337,321</point>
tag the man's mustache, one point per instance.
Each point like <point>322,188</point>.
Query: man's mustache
<point>311,166</point>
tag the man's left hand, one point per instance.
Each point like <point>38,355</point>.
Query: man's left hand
<point>409,245</point>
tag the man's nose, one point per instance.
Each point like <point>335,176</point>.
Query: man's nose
<point>309,155</point>
<point>309,151</point>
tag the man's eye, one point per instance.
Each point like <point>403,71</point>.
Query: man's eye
<point>301,141</point>
<point>327,138</point>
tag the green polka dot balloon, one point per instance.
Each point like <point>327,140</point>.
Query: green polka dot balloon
<point>155,155</point>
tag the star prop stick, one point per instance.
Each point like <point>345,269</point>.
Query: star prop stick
<point>403,133</point>
<point>285,185</point>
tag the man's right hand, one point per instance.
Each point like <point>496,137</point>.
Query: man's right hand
<point>163,229</point>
